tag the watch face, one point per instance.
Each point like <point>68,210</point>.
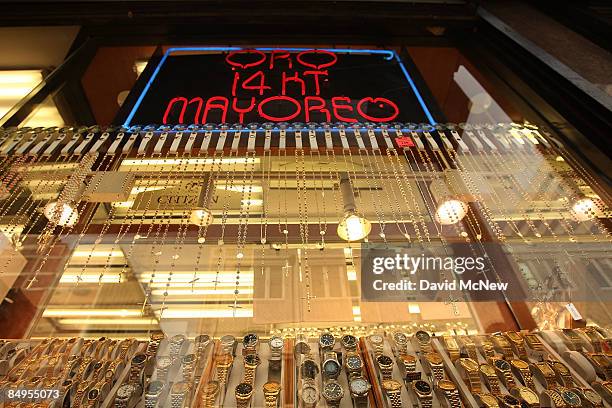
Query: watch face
<point>376,339</point>
<point>155,387</point>
<point>228,340</point>
<point>180,387</point>
<point>333,390</point>
<point>310,395</point>
<point>164,362</point>
<point>276,342</point>
<point>571,398</point>
<point>93,394</point>
<point>520,364</point>
<point>422,386</point>
<point>592,396</point>
<point>202,338</point>
<point>309,369</point>
<point>510,400</point>
<point>125,391</point>
<point>488,399</point>
<point>331,368</point>
<point>560,367</point>
<point>250,340</point>
<point>139,358</point>
<point>359,386</point>
<point>433,358</point>
<point>251,359</point>
<point>400,338</point>
<point>224,359</point>
<point>529,396</point>
<point>211,387</point>
<point>179,338</point>
<point>327,340</point>
<point>244,389</point>
<point>157,336</point>
<point>67,383</point>
<point>271,387</point>
<point>189,358</point>
<point>97,365</point>
<point>514,336</point>
<point>384,360</point>
<point>353,362</point>
<point>502,365</point>
<point>469,364</point>
<point>422,336</point>
<point>391,385</point>
<point>447,385</point>
<point>349,341</point>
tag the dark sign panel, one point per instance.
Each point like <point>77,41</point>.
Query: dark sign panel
<point>274,85</point>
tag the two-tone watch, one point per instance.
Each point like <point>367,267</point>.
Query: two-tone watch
<point>124,395</point>
<point>385,365</point>
<point>349,342</point>
<point>424,393</point>
<point>400,343</point>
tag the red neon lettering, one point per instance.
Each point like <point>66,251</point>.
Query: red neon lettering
<point>241,111</point>
<point>235,83</point>
<point>171,105</point>
<point>300,59</point>
<point>210,104</point>
<point>320,107</point>
<point>294,78</point>
<point>336,106</point>
<point>316,74</point>
<point>280,54</point>
<point>230,58</point>
<point>262,83</point>
<point>381,101</point>
<point>283,118</point>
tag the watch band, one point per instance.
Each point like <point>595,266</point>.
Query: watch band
<point>469,347</point>
<point>396,399</point>
<point>554,397</point>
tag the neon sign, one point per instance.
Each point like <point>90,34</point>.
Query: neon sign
<point>280,85</point>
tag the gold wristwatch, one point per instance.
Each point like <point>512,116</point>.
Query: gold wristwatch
<point>393,389</point>
<point>589,397</point>
<point>554,397</point>
<point>521,370</point>
<point>377,342</point>
<point>243,394</point>
<point>563,373</point>
<point>424,393</point>
<point>469,347</point>
<point>517,344</point>
<point>486,400</point>
<point>209,393</point>
<point>434,361</point>
<point>486,346</point>
<point>502,345</point>
<point>504,371</point>
<point>595,338</point>
<point>490,378</point>
<point>251,361</point>
<point>508,401</point>
<point>544,373</point>
<point>533,342</point>
<point>527,396</point>
<point>601,364</point>
<point>423,341</point>
<point>573,339</point>
<point>409,362</point>
<point>470,369</point>
<point>385,364</point>
<point>224,362</point>
<point>400,341</point>
<point>271,393</point>
<point>452,347</point>
<point>449,390</point>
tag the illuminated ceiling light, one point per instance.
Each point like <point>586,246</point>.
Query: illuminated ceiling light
<point>52,312</point>
<point>585,209</point>
<point>450,210</point>
<point>145,321</point>
<point>174,162</point>
<point>414,308</point>
<point>171,313</point>
<point>200,292</point>
<point>353,226</point>
<point>66,216</point>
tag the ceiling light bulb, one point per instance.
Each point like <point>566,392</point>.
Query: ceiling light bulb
<point>451,211</point>
<point>202,217</point>
<point>353,227</point>
<point>67,216</point>
<point>585,209</point>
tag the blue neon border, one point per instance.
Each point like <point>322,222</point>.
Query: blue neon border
<point>389,56</point>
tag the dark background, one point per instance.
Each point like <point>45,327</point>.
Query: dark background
<point>205,75</point>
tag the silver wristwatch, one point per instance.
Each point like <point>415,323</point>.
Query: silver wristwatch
<point>153,393</point>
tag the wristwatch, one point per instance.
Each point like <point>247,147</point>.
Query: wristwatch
<point>393,390</point>
<point>79,394</point>
<point>570,398</point>
<point>400,341</point>
<point>377,343</point>
<point>434,363</point>
<point>209,393</point>
<point>92,397</point>
<point>408,361</point>
<point>188,365</point>
<point>589,397</point>
<point>544,373</point>
<point>517,344</point>
<point>276,345</point>
<point>136,368</point>
<point>250,343</point>
<point>359,388</point>
<point>469,347</point>
<point>333,393</point>
<point>223,363</point>
<point>228,344</point>
<point>331,366</point>
<point>533,342</point>
<point>604,388</point>
<point>124,395</point>
<point>563,373</point>
<point>601,364</point>
<point>163,365</point>
<point>309,368</point>
<point>385,364</point>
<point>449,390</point>
<point>251,362</point>
<point>153,346</point>
<point>486,400</point>
<point>508,401</point>
<point>424,393</point>
<point>502,344</point>
<point>353,363</point>
<point>201,342</point>
<point>175,346</point>
<point>471,373</point>
<point>595,338</point>
<point>552,398</point>
<point>423,340</point>
<point>243,393</point>
<point>309,394</point>
<point>521,370</point>
<point>271,391</point>
<point>301,345</point>
<point>527,396</point>
<point>153,393</point>
<point>504,371</point>
<point>327,341</point>
<point>178,394</point>
<point>349,342</point>
<point>451,346</point>
<point>573,341</point>
<point>486,346</point>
